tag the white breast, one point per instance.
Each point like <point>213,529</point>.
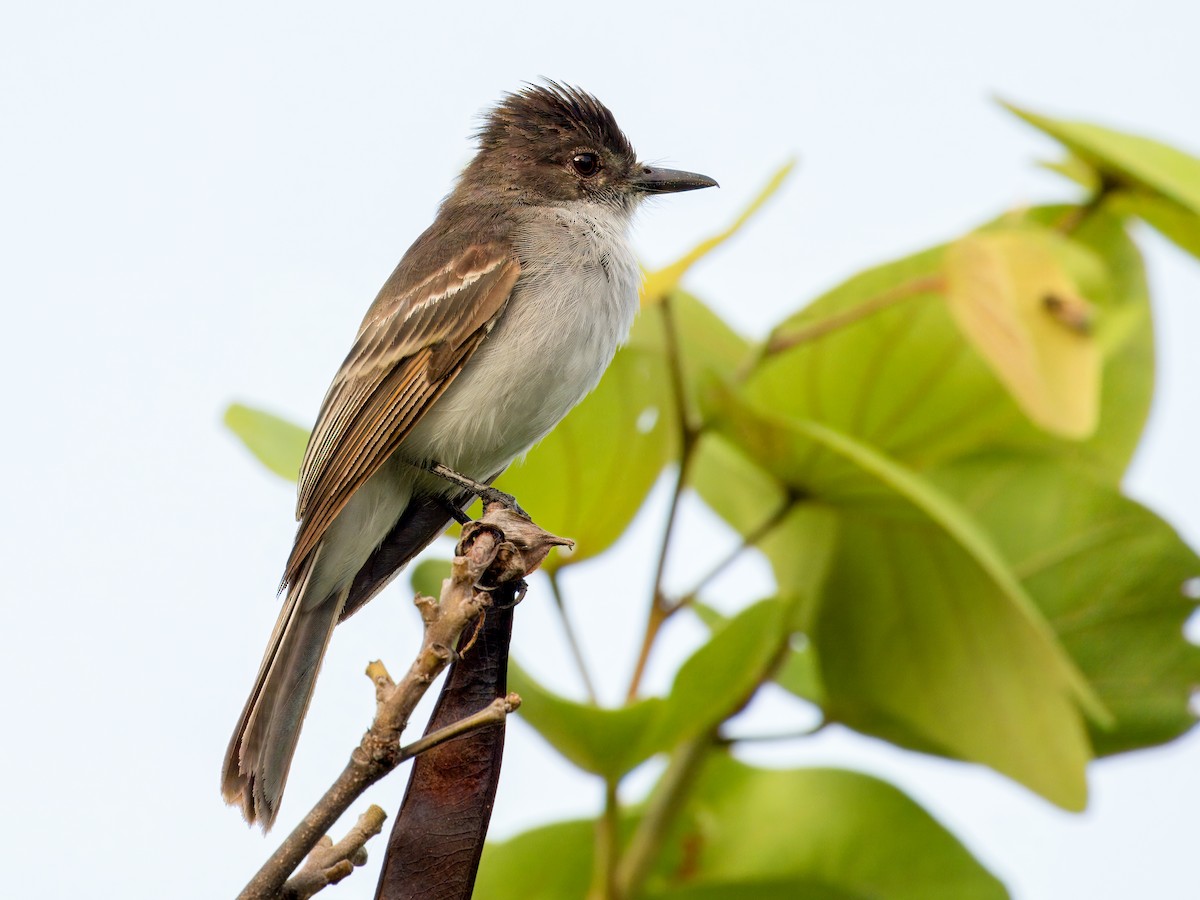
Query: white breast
<point>572,307</point>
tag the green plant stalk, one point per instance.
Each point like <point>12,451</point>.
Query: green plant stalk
<point>572,639</point>
<point>818,329</point>
<point>604,874</point>
<point>664,806</point>
<point>689,435</point>
<point>1075,217</point>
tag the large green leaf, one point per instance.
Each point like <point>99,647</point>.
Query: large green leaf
<point>277,443</point>
<point>812,834</point>
<point>798,673</point>
<point>589,477</point>
<point>1149,179</point>
<point>707,346</point>
<point>711,685</point>
<point>924,634</point>
<point>1173,220</point>
<point>553,862</point>
<point>607,742</point>
<point>918,646</point>
<point>735,487</point>
<point>904,379</point>
<point>1126,159</point>
<point>1108,574</point>
<point>723,674</point>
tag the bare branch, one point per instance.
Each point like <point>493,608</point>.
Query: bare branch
<point>491,714</point>
<point>329,863</point>
<point>500,548</point>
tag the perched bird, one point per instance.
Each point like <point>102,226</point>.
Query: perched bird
<point>498,320</point>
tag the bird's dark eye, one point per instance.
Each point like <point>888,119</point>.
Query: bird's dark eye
<point>586,164</point>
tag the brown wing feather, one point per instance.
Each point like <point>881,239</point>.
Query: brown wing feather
<point>408,351</point>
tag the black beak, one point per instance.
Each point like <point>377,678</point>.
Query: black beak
<point>669,181</point>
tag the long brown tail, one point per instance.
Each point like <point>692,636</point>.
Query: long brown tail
<point>260,752</point>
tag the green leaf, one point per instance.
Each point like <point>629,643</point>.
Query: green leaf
<point>607,742</point>
<point>1076,170</point>
<point>723,674</point>
<point>661,283</point>
<point>589,477</point>
<point>1126,159</point>
<point>707,346</point>
<point>1154,181</point>
<point>1173,220</point>
<point>812,833</point>
<point>277,443</point>
<point>553,862</point>
<point>801,549</point>
<point>923,633</point>
<point>1108,574</point>
<point>798,673</point>
<point>736,488</point>
<point>717,680</point>
<point>804,834</point>
<point>903,378</point>
<point>918,646</point>
<point>427,576</point>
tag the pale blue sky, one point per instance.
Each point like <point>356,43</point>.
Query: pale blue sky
<point>198,201</point>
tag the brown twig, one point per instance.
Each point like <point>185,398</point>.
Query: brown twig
<point>499,548</point>
<point>564,617</point>
<point>329,863</point>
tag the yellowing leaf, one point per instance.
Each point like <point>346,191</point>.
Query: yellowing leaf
<point>1012,298</point>
<point>660,283</point>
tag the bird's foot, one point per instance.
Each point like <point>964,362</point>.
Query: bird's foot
<point>490,495</point>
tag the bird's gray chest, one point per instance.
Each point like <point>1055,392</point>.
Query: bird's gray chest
<point>571,309</point>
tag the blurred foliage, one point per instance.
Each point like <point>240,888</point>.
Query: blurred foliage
<point>930,457</point>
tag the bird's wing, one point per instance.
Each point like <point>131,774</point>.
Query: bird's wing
<point>412,344</point>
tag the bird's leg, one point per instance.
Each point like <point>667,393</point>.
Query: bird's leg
<point>456,512</point>
<point>484,492</point>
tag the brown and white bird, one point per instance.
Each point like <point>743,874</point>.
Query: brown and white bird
<point>498,320</point>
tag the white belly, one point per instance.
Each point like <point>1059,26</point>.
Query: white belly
<point>573,306</point>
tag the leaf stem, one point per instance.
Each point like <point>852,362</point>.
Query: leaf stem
<point>729,740</point>
<point>748,541</point>
<point>1075,217</point>
<point>689,435</point>
<point>835,322</point>
<point>604,883</point>
<point>665,803</point>
<point>572,638</point>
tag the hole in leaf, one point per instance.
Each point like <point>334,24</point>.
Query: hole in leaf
<point>1191,628</point>
<point>647,419</point>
